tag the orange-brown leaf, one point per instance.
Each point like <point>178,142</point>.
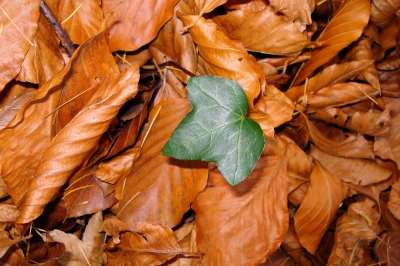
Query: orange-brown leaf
<point>359,172</point>
<point>298,9</point>
<point>264,32</point>
<point>149,244</point>
<point>337,73</point>
<point>318,210</point>
<point>131,19</point>
<point>354,231</point>
<point>86,19</point>
<point>340,94</point>
<point>90,64</point>
<point>243,225</point>
<point>19,25</point>
<point>43,60</point>
<point>158,184</point>
<point>383,11</point>
<point>85,194</point>
<point>351,147</point>
<point>78,137</point>
<point>344,28</point>
<point>223,58</point>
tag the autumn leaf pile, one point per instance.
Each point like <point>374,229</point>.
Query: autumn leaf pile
<point>82,177</point>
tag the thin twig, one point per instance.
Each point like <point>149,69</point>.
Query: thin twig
<point>55,25</point>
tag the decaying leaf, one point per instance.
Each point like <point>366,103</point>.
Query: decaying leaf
<point>235,206</point>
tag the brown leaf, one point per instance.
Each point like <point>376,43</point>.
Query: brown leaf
<point>253,6</point>
<point>265,190</point>
<point>118,167</point>
<point>383,11</point>
<point>254,30</point>
<point>86,19</point>
<point>299,164</point>
<point>394,203</point>
<point>6,242</point>
<point>45,252</point>
<point>18,30</point>
<point>362,50</point>
<point>43,60</point>
<point>223,58</point>
<point>352,147</point>
<point>158,184</point>
<point>13,256</point>
<point>318,210</point>
<point>80,252</point>
<point>344,28</point>
<point>186,236</point>
<point>79,137</point>
<point>90,64</point>
<point>355,230</point>
<point>85,194</point>
<point>149,244</point>
<point>9,213</point>
<point>292,246</point>
<point>131,17</point>
<point>176,46</point>
<point>339,94</point>
<point>17,95</point>
<point>386,248</point>
<point>359,172</point>
<point>276,104</point>
<point>336,73</point>
<point>299,9</point>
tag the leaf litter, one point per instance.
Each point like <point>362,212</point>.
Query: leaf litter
<point>83,179</point>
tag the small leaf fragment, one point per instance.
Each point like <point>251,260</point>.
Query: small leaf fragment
<point>216,130</point>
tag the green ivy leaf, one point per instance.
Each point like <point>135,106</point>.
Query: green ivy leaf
<point>216,129</point>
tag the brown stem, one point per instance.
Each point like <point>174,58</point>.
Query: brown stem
<point>56,26</point>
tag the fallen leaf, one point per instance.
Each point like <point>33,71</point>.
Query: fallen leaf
<point>141,194</point>
<point>149,244</point>
<point>299,9</point>
<point>86,19</point>
<point>223,58</point>
<point>359,172</point>
<point>355,230</point>
<point>345,27</point>
<point>248,245</point>
<point>85,251</point>
<point>284,38</point>
<point>43,60</point>
<point>85,194</point>
<point>383,11</point>
<point>385,248</point>
<point>333,74</point>
<point>130,17</point>
<point>318,210</point>
<point>19,26</point>
<point>352,147</point>
<point>88,125</point>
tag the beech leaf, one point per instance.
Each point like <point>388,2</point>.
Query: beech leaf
<point>216,129</point>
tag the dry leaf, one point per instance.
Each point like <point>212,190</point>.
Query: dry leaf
<point>85,251</point>
<point>158,184</point>
<point>149,244</point>
<point>344,28</point>
<point>19,26</point>
<point>223,58</point>
<point>79,137</point>
<point>131,17</point>
<point>254,30</point>
<point>86,19</point>
<point>249,203</point>
<point>318,210</point>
